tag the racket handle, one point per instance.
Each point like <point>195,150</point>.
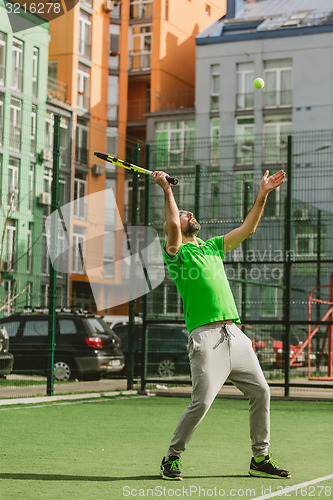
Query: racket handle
<point>172,180</point>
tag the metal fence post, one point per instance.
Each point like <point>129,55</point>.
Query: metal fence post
<point>131,306</point>
<point>53,242</point>
<point>287,267</point>
<point>144,344</point>
<point>247,187</point>
<point>197,192</point>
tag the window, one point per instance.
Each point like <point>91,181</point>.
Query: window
<point>1,118</point>
<point>15,125</point>
<point>78,251</point>
<point>84,35</point>
<point>245,93</point>
<point>67,327</point>
<point>10,302</point>
<point>35,328</point>
<point>109,235</point>
<point>276,131</point>
<point>244,140</point>
<point>113,97</point>
<point>175,143</point>
<point>83,87</point>
<point>81,148</point>
<point>35,56</point>
<point>207,9</point>
<point>80,186</point>
<point>29,250</point>
<point>28,294</point>
<point>114,46</point>
<point>13,184</point>
<point>141,9</point>
<point>307,240</point>
<point>2,57</point>
<point>141,47</point>
<point>10,243</point>
<point>17,65</point>
<point>65,155</point>
<point>215,140</point>
<point>215,195</point>
<point>278,83</point>
<point>33,129</point>
<point>31,187</point>
<point>215,87</point>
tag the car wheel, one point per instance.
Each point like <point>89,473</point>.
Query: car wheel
<point>62,371</point>
<point>166,367</point>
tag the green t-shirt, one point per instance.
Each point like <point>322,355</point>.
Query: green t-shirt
<point>201,281</point>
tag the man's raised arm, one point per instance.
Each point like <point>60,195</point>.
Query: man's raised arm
<point>267,184</point>
<point>172,224</point>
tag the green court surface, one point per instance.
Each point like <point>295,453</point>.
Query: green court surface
<point>112,449</point>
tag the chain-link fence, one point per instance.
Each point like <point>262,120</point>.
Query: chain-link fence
<point>272,273</point>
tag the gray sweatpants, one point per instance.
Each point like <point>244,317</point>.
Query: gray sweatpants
<point>216,352</point>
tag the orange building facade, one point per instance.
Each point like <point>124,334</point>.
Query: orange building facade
<point>119,60</point>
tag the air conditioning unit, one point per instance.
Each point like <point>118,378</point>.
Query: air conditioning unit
<point>108,6</point>
<point>98,169</point>
<point>46,155</point>
<point>5,265</point>
<point>44,199</point>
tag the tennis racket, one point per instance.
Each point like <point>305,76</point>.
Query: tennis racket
<point>130,166</point>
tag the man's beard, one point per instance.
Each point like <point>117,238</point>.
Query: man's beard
<point>192,229</point>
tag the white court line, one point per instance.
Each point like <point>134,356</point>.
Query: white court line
<point>288,489</point>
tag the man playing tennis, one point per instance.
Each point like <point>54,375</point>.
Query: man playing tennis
<point>218,349</point>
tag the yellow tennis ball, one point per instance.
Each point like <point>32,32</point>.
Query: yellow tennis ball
<point>258,83</point>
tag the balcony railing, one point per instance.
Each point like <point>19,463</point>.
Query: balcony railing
<point>140,61</point>
<point>175,99</point>
<point>141,10</point>
<point>56,89</point>
<point>245,100</point>
<point>275,99</point>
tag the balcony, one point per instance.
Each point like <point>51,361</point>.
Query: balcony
<point>274,99</point>
<point>245,101</point>
<point>141,9</point>
<point>139,61</point>
<point>174,99</point>
<point>56,90</point>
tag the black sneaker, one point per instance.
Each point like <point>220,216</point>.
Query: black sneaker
<point>267,468</point>
<point>170,468</point>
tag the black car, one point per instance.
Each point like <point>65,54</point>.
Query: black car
<point>167,352</point>
<point>6,358</point>
<point>85,346</point>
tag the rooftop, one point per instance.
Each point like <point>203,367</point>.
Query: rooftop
<point>268,18</point>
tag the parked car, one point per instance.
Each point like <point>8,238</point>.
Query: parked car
<point>268,346</point>
<point>85,346</point>
<point>166,348</point>
<point>6,358</point>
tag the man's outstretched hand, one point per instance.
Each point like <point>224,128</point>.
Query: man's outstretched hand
<point>267,184</point>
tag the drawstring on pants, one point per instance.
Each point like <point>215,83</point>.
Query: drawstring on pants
<point>225,335</point>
